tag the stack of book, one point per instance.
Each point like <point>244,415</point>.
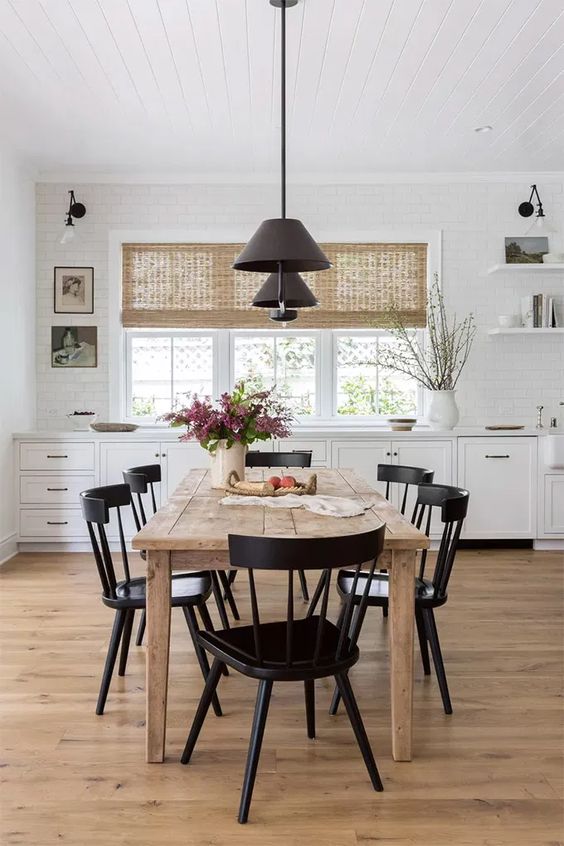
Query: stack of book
<point>537,311</point>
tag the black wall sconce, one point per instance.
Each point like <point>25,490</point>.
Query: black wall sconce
<point>76,210</point>
<point>539,225</point>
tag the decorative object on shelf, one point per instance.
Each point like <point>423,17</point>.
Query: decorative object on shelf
<point>508,321</point>
<point>438,363</point>
<point>74,290</point>
<point>114,427</point>
<point>539,226</point>
<point>74,346</point>
<point>538,312</point>
<point>76,210</point>
<point>553,258</point>
<point>402,424</point>
<point>525,250</point>
<point>234,485</point>
<point>282,246</point>
<point>226,429</point>
<point>81,420</point>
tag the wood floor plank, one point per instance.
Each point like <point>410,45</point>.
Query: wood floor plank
<point>489,775</point>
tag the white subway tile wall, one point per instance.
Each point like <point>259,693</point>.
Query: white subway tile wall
<point>507,375</point>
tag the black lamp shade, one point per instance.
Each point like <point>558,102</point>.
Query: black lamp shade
<point>297,294</point>
<point>282,240</point>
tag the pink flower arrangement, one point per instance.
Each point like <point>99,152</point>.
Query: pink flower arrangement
<point>236,418</point>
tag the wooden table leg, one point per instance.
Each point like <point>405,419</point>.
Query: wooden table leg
<point>401,616</point>
<point>158,643</point>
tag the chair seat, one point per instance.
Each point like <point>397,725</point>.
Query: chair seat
<point>185,590</point>
<point>379,589</point>
<point>236,647</point>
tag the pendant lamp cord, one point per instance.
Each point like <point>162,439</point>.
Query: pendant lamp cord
<point>281,286</point>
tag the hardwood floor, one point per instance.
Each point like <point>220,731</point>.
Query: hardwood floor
<point>491,774</point>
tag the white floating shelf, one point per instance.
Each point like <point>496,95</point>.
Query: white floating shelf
<point>526,268</point>
<point>526,330</point>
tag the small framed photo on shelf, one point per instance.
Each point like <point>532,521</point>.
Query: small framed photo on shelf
<point>74,290</point>
<point>74,346</point>
<point>525,250</point>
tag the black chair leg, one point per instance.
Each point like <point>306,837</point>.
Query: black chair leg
<point>346,691</point>
<point>384,610</point>
<point>119,622</point>
<point>208,626</point>
<point>217,595</point>
<point>423,644</point>
<point>257,734</point>
<point>303,585</point>
<point>356,622</point>
<point>125,640</point>
<point>433,636</point>
<point>309,687</point>
<point>141,629</point>
<point>200,653</point>
<point>203,707</point>
<point>228,594</point>
<point>231,576</point>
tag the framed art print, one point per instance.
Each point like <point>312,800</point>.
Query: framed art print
<point>74,346</point>
<point>74,290</point>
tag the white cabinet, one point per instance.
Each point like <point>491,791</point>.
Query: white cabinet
<point>432,455</point>
<point>500,474</point>
<point>117,457</point>
<point>554,504</point>
<point>318,447</point>
<point>177,460</point>
<point>57,456</point>
<point>363,457</point>
<point>55,489</point>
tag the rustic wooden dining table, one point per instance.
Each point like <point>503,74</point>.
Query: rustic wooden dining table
<point>191,531</point>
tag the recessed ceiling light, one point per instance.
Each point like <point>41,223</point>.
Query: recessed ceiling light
<point>485,128</point>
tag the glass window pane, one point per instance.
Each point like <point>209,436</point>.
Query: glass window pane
<point>192,367</point>
<point>288,362</point>
<point>397,393</point>
<point>150,376</point>
<point>357,375</point>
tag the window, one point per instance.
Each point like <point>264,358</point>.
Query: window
<point>287,361</point>
<point>325,373</point>
<point>362,388</point>
<point>164,367</point>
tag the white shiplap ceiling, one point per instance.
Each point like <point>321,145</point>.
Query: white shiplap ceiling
<point>373,85</point>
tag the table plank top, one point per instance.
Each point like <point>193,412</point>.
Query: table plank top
<point>194,519</point>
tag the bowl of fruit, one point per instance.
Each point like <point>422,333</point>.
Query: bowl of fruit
<point>81,420</point>
<point>274,486</point>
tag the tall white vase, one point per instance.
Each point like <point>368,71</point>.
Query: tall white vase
<point>224,460</point>
<point>443,411</point>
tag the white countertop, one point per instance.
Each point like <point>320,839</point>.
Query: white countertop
<point>147,433</point>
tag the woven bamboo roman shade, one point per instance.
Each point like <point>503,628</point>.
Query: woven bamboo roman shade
<point>194,286</point>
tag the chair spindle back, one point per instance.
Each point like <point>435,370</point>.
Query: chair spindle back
<point>96,504</point>
<point>401,474</point>
<point>453,503</point>
<point>297,458</point>
<point>142,480</point>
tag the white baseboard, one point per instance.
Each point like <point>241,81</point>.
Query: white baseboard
<point>8,548</point>
<point>548,544</point>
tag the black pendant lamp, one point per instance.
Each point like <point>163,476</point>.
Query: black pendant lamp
<point>282,246</point>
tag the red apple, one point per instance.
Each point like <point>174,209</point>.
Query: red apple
<point>287,482</point>
<point>274,481</point>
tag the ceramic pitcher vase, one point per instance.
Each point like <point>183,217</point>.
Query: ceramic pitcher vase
<point>443,411</point>
<point>224,460</point>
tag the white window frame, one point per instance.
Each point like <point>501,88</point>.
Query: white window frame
<point>367,333</point>
<point>129,334</point>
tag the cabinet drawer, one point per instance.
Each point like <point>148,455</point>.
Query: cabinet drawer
<point>57,456</point>
<point>318,449</point>
<point>53,490</point>
<point>56,523</point>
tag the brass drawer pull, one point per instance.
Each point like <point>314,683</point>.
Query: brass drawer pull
<point>497,456</point>
<point>57,456</point>
<point>57,522</point>
<point>57,489</point>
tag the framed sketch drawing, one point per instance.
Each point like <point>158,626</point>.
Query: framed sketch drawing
<point>74,290</point>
